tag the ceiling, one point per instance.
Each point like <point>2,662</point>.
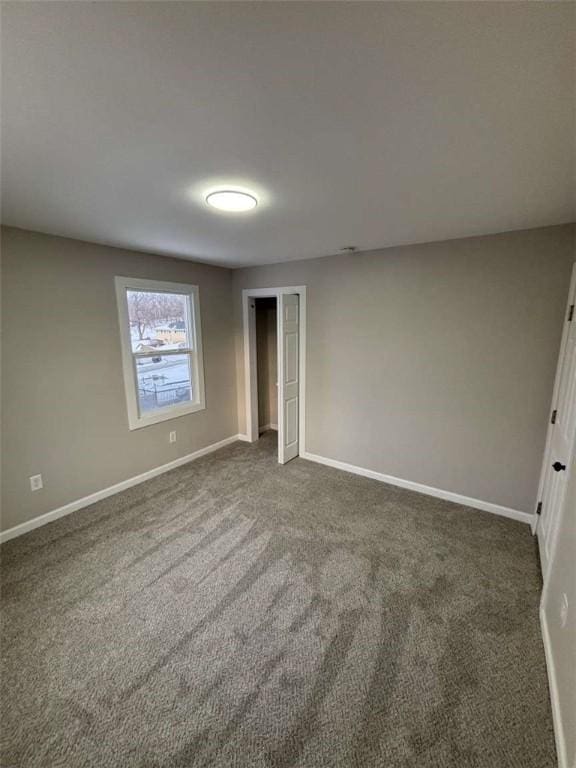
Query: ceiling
<point>364,124</point>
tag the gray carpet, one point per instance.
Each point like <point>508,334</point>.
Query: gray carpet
<point>238,613</point>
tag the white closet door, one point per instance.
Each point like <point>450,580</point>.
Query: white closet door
<point>288,376</point>
<point>561,436</point>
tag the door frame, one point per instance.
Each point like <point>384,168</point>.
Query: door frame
<point>250,359</point>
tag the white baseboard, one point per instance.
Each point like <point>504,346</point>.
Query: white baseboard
<point>266,427</point>
<point>485,506</point>
<point>552,684</point>
<point>67,509</point>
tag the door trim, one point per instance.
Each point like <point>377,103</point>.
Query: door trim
<point>250,369</point>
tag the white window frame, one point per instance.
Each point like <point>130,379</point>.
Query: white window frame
<point>135,419</point>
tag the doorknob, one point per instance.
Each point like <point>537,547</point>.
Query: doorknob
<point>557,467</point>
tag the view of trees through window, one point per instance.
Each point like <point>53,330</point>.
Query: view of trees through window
<point>161,341</point>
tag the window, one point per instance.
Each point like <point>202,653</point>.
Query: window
<point>161,349</point>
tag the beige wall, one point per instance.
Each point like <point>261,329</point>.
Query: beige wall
<point>64,408</point>
<point>435,362</point>
<point>562,580</point>
<point>266,356</point>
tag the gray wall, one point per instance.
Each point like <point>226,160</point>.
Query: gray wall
<point>64,408</point>
<point>435,362</point>
<point>266,356</point>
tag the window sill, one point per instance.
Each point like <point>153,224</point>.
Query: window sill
<point>137,422</point>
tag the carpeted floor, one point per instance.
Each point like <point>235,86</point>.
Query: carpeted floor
<point>238,613</point>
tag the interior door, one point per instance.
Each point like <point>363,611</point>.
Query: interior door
<point>288,376</point>
<point>560,442</point>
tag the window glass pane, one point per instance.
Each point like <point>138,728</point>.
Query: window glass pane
<point>158,321</point>
<point>163,381</point>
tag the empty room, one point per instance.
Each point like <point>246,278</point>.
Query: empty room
<point>288,384</point>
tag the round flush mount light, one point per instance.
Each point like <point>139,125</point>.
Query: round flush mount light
<point>231,200</point>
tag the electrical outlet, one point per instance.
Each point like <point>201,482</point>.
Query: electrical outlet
<point>564,610</point>
<point>36,483</point>
<point>172,437</point>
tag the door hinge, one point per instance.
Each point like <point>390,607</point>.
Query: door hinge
<point>539,508</point>
<point>553,417</point>
<point>571,313</point>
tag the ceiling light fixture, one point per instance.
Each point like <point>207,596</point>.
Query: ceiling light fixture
<point>231,200</point>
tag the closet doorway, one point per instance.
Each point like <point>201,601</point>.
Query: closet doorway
<point>267,363</point>
<point>275,383</point>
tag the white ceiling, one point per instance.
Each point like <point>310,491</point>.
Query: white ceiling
<point>366,124</point>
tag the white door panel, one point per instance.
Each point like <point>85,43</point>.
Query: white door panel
<point>291,422</point>
<point>560,441</point>
<point>288,378</point>
<point>291,370</point>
